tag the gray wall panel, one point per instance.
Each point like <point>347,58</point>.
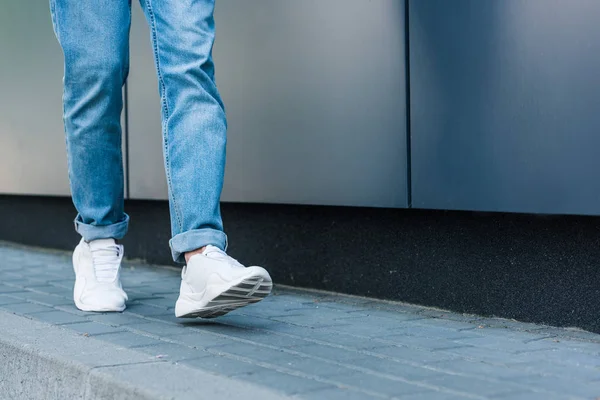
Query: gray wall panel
<point>33,158</point>
<point>32,145</point>
<point>315,96</point>
<point>505,98</point>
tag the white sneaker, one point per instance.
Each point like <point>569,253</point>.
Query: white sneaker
<point>213,284</point>
<point>97,267</point>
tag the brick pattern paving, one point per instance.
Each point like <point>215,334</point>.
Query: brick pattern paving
<point>317,346</point>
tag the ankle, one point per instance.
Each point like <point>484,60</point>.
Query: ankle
<point>189,254</point>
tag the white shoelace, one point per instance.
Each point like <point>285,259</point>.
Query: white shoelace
<point>106,262</point>
<point>217,254</point>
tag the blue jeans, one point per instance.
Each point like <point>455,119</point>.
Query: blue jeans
<point>94,36</point>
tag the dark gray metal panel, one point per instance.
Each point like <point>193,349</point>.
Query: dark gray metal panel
<point>315,96</point>
<point>505,100</point>
<point>32,145</point>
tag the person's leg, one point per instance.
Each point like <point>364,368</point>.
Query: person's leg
<point>94,38</point>
<point>194,124</point>
<point>194,138</point>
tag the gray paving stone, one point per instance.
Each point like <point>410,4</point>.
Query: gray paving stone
<point>470,385</point>
<point>256,335</point>
<point>560,386</point>
<point>282,382</point>
<point>579,346</point>
<point>567,334</point>
<point>128,339</point>
<point>115,319</point>
<point>172,352</point>
<point>254,352</point>
<point>322,312</point>
<point>372,322</point>
<point>169,317</point>
<point>421,356</point>
<point>243,320</point>
<point>336,394</point>
<point>435,395</point>
<point>492,356</point>
<point>266,312</point>
<point>377,384</point>
<point>576,374</point>
<point>160,283</point>
<point>282,341</point>
<point>308,320</point>
<point>355,307</point>
<point>9,289</point>
<point>159,301</point>
<point>26,308</point>
<point>565,357</point>
<point>46,299</point>
<point>55,290</point>
<point>401,369</point>
<point>10,264</point>
<point>422,342</point>
<point>9,300</point>
<point>511,324</point>
<point>329,353</point>
<point>57,317</point>
<point>159,328</point>
<point>18,278</point>
<point>504,333</point>
<point>221,365</point>
<point>200,340</point>
<point>71,309</point>
<point>512,346</point>
<point>312,366</point>
<point>395,316</point>
<point>448,324</point>
<point>288,298</point>
<point>131,286</point>
<point>31,283</point>
<point>480,369</point>
<point>144,310</point>
<point>424,331</point>
<point>92,328</point>
<point>12,268</point>
<point>61,282</point>
<point>361,329</point>
<point>442,314</point>
<point>526,395</point>
<point>326,335</point>
<point>171,294</point>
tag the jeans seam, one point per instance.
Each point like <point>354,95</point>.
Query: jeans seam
<point>124,73</point>
<point>54,19</point>
<point>128,59</point>
<point>165,107</point>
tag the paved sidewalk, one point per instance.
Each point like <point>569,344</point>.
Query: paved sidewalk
<point>309,345</point>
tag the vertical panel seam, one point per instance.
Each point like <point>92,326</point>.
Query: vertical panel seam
<point>408,108</point>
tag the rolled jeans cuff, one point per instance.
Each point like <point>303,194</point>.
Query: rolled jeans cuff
<point>94,232</point>
<point>195,239</point>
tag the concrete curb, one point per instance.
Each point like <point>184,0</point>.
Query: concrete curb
<point>41,361</point>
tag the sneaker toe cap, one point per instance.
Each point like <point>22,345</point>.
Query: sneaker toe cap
<point>258,272</point>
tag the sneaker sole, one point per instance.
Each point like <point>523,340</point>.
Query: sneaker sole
<point>83,307</point>
<point>250,290</point>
